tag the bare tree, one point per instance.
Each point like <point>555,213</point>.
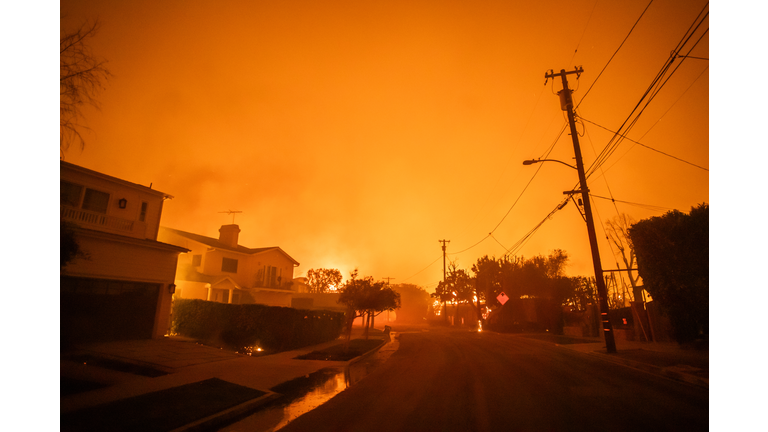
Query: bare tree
<point>617,230</point>
<point>81,79</point>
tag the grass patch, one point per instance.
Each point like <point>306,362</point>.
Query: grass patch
<point>116,365</point>
<point>336,352</point>
<point>163,410</point>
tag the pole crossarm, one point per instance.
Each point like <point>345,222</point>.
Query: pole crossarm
<point>578,70</point>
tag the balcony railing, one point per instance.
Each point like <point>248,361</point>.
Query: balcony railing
<point>85,218</point>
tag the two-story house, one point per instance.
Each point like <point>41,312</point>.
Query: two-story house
<point>121,288</point>
<point>223,271</point>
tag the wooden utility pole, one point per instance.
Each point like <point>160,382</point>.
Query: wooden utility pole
<point>388,279</point>
<point>566,102</point>
<point>445,308</point>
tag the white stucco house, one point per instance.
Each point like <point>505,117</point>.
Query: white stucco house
<point>122,287</point>
<point>221,270</point>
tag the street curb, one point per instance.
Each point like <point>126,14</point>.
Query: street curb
<point>667,372</point>
<point>366,354</point>
<point>222,418</point>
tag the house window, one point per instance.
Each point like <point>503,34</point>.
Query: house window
<point>272,272</point>
<point>229,265</point>
<point>198,259</point>
<point>70,194</point>
<point>95,201</point>
<point>143,214</point>
<point>260,277</point>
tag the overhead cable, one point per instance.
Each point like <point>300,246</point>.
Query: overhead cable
<point>644,145</point>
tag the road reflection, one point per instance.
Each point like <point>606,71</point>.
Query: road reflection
<point>304,394</point>
<point>315,397</point>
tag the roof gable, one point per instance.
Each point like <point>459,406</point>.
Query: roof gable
<point>226,283</point>
<point>215,243</point>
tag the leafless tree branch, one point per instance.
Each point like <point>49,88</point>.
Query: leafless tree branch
<point>81,79</point>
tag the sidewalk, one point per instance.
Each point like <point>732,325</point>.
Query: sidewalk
<point>134,371</point>
<point>662,358</point>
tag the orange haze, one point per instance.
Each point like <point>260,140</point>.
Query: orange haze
<point>358,134</point>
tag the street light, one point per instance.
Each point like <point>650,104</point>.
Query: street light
<point>601,290</point>
<point>533,161</point>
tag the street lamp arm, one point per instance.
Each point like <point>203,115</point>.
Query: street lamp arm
<point>533,161</point>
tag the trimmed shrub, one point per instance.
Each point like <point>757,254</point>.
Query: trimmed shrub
<point>272,328</point>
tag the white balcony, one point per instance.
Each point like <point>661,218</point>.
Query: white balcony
<point>102,222</point>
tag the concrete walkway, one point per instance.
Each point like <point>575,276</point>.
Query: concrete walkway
<point>185,362</point>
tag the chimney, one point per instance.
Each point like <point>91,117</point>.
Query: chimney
<point>228,234</point>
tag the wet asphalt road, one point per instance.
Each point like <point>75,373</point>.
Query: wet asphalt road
<point>467,381</point>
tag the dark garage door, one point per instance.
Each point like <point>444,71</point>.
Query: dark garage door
<point>100,310</point>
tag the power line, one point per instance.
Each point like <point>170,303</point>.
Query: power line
<point>462,251</point>
<point>645,206</point>
<point>661,117</point>
<point>644,145</point>
<point>531,180</point>
<point>430,265</point>
<point>520,243</point>
<point>674,103</point>
<point>615,52</point>
<point>544,156</point>
<point>490,194</point>
<point>586,26</point>
<point>653,90</point>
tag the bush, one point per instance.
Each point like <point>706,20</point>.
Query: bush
<point>272,328</point>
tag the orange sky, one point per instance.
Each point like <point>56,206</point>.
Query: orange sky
<point>358,134</point>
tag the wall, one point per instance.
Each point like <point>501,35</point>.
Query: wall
<point>191,290</point>
<point>118,189</point>
<point>110,259</point>
<point>273,258</point>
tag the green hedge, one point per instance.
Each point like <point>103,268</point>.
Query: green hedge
<point>272,328</point>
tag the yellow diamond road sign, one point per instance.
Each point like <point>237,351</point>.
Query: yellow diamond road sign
<point>502,298</point>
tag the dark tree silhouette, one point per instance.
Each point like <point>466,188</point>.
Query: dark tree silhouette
<point>69,248</point>
<point>673,260</point>
<point>366,297</point>
<point>81,78</point>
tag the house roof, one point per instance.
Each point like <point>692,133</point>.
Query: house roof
<point>130,240</point>
<point>148,189</point>
<point>215,243</point>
